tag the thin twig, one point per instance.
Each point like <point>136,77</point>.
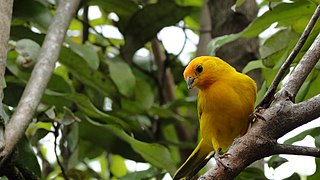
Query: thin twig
<point>56,134</point>
<point>85,24</point>
<point>97,32</point>
<point>269,96</point>
<point>296,150</point>
<point>40,76</point>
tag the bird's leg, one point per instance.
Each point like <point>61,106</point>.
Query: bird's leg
<point>256,115</point>
<point>218,157</point>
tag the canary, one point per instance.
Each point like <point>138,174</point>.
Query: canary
<point>225,100</point>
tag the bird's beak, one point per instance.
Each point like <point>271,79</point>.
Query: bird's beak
<point>190,82</point>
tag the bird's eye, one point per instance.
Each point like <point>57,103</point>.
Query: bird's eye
<point>199,69</point>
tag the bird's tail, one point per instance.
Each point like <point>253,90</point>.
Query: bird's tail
<point>198,158</point>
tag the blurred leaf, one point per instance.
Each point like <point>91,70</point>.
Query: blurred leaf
<point>21,32</point>
<point>277,42</point>
<point>123,8</point>
<point>239,3</point>
<point>68,117</point>
<point>146,174</point>
<point>314,132</point>
<point>276,161</point>
<point>91,143</point>
<point>166,113</point>
<point>251,173</point>
<point>117,166</point>
<point>86,52</point>
<point>143,100</point>
<point>294,176</point>
<point>40,133</point>
<point>257,64</point>
<point>85,105</point>
<point>261,92</point>
<point>147,22</point>
<point>122,76</point>
<point>82,71</point>
<point>27,157</point>
<point>77,174</point>
<point>217,42</point>
<point>155,154</point>
<point>313,89</point>
<point>281,13</point>
<point>34,11</point>
<point>316,175</point>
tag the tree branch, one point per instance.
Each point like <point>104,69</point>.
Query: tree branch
<point>269,96</point>
<point>281,117</point>
<point>40,76</point>
<point>296,150</point>
<point>5,21</point>
<point>302,70</point>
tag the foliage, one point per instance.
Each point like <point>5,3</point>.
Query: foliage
<point>105,103</point>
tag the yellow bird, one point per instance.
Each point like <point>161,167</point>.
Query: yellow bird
<point>225,100</point>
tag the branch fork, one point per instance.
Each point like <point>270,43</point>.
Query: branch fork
<point>281,115</point>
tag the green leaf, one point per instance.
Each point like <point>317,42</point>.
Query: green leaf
<point>122,76</point>
<point>316,175</point>
<point>146,174</point>
<point>21,32</point>
<point>86,52</point>
<point>81,70</point>
<point>36,12</point>
<point>239,3</point>
<point>257,64</point>
<point>251,173</point>
<point>155,154</point>
<point>314,132</point>
<point>117,166</point>
<point>85,105</point>
<point>92,145</point>
<point>277,42</point>
<point>123,8</point>
<point>147,22</point>
<point>143,99</point>
<point>27,157</point>
<point>313,89</point>
<point>39,134</point>
<point>217,42</point>
<point>281,13</point>
<point>276,161</point>
<point>294,176</point>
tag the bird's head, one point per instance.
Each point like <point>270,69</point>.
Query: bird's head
<point>204,70</point>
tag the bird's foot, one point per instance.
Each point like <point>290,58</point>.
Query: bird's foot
<point>256,115</point>
<point>218,157</point>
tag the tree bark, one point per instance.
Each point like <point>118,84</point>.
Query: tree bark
<point>226,21</point>
<point>5,24</point>
<point>40,76</point>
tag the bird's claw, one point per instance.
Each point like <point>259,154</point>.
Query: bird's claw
<point>218,157</point>
<point>257,115</point>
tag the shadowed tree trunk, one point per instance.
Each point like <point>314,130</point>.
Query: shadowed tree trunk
<point>224,21</point>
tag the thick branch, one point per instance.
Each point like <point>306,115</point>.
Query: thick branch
<point>281,117</point>
<point>40,76</point>
<point>5,21</point>
<point>296,150</point>
<point>269,96</point>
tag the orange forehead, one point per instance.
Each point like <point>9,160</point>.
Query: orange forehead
<point>189,71</point>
